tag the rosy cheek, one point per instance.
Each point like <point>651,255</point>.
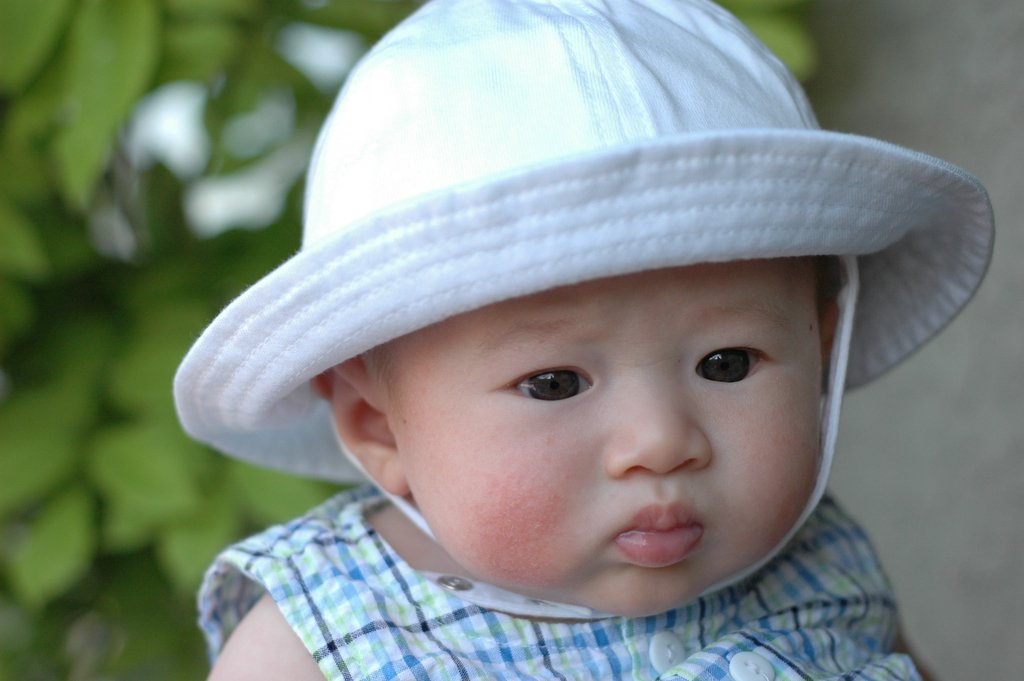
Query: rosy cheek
<point>519,526</point>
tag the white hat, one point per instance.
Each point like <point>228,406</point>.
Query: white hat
<point>490,149</point>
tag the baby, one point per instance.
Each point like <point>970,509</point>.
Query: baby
<point>581,287</point>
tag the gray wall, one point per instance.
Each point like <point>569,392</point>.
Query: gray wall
<point>931,457</point>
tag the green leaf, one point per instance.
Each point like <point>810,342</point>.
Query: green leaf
<point>198,50</point>
<point>16,314</point>
<point>39,445</point>
<point>140,381</point>
<point>57,549</point>
<point>759,6</point>
<point>153,625</point>
<point>24,168</point>
<point>29,30</point>
<point>111,56</point>
<point>261,72</point>
<point>219,8</point>
<point>34,112</point>
<point>79,355</point>
<point>370,18</point>
<point>145,469</point>
<point>126,528</point>
<point>186,548</point>
<point>274,497</point>
<point>21,253</point>
<point>55,398</point>
<point>788,39</point>
<point>66,241</point>
<point>65,366</point>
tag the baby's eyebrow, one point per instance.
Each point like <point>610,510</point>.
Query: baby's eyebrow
<point>520,331</point>
<point>770,311</point>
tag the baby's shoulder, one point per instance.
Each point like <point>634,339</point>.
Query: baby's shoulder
<point>272,581</point>
<point>264,647</point>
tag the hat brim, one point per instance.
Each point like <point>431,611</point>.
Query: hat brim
<point>922,227</point>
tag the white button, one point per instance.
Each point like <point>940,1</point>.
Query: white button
<point>750,667</point>
<point>453,583</point>
<point>666,651</point>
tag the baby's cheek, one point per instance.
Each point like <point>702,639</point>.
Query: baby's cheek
<point>519,529</point>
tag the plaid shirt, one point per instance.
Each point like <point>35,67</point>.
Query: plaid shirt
<point>821,610</point>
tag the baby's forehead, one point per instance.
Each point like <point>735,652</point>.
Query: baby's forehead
<point>778,277</point>
<point>767,287</point>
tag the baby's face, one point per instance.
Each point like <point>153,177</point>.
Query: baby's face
<point>621,444</point>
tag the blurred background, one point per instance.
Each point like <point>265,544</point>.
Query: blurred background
<point>151,160</point>
<point>931,457</point>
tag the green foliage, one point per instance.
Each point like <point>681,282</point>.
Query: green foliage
<point>27,36</point>
<point>108,513</point>
<point>56,548</point>
<point>112,48</point>
<point>780,24</point>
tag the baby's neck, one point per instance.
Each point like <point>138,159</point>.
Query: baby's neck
<point>408,541</point>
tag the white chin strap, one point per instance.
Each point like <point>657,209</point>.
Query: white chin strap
<point>496,598</point>
<point>402,503</point>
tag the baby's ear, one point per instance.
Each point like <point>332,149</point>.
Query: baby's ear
<point>361,407</point>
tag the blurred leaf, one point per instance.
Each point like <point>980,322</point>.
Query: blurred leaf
<point>16,316</point>
<point>187,547</point>
<point>88,642</point>
<point>788,39</point>
<point>759,6</point>
<point>33,113</point>
<point>140,382</point>
<point>21,253</point>
<point>166,293</point>
<point>198,50</point>
<point>257,77</point>
<point>66,242</point>
<point>219,8</point>
<point>65,364</point>
<point>111,55</point>
<point>28,31</point>
<point>24,171</point>
<point>80,353</point>
<point>126,528</point>
<point>15,627</point>
<point>38,447</point>
<point>371,18</point>
<point>153,625</point>
<point>274,497</point>
<point>140,468</point>
<point>57,549</point>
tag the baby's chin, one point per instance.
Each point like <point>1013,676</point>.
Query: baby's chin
<point>639,607</point>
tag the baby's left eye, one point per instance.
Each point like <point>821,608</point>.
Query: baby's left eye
<point>553,385</point>
<point>725,366</point>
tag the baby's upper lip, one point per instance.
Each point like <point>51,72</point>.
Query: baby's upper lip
<point>660,535</point>
<point>661,518</point>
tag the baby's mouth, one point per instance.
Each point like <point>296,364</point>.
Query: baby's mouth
<point>660,536</point>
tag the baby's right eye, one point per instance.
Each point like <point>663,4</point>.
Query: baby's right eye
<point>553,385</point>
<point>725,366</point>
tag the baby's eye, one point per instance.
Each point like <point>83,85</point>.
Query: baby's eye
<point>727,366</point>
<point>553,385</point>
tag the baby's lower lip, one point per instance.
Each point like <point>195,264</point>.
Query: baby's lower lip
<point>660,548</point>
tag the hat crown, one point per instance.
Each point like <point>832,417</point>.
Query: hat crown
<point>461,92</point>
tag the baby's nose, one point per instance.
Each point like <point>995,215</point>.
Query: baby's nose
<point>659,439</point>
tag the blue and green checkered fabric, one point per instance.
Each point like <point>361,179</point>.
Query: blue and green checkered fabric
<point>821,610</point>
